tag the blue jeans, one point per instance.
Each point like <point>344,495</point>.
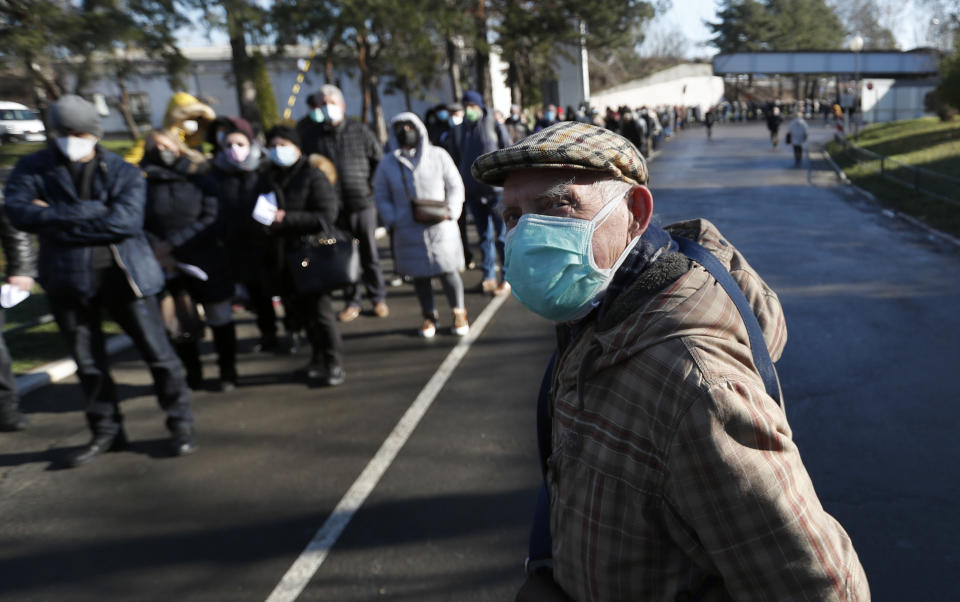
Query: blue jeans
<point>491,230</point>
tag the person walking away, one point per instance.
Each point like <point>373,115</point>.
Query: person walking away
<point>306,204</point>
<point>668,461</point>
<point>480,134</point>
<point>516,125</point>
<point>86,206</point>
<point>181,225</point>
<point>416,169</point>
<point>797,137</point>
<point>708,120</point>
<point>774,119</point>
<point>450,141</point>
<point>237,169</point>
<point>20,271</point>
<point>355,152</point>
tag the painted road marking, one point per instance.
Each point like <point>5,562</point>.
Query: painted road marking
<point>309,561</point>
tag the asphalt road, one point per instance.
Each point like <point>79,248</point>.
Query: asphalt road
<point>871,311</point>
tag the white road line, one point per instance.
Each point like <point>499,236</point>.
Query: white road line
<point>309,561</point>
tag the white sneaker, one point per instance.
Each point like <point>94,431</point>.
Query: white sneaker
<point>460,325</point>
<point>428,329</point>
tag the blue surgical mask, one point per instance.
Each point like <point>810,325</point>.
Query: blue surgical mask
<point>317,115</point>
<point>549,115</point>
<point>284,155</point>
<point>443,115</point>
<point>550,267</point>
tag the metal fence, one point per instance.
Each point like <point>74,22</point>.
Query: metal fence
<point>931,183</point>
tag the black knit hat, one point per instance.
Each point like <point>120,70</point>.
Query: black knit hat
<point>284,131</point>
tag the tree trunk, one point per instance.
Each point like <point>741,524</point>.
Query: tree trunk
<point>379,121</point>
<point>242,69</point>
<point>362,55</point>
<point>124,107</point>
<point>484,80</point>
<point>453,69</point>
<point>516,85</point>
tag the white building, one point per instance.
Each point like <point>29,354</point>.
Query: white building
<point>691,84</point>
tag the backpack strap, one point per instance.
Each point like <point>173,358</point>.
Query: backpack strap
<point>540,548</point>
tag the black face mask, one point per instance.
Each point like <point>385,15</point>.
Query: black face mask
<point>407,138</point>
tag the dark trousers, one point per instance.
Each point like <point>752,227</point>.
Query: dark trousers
<point>797,154</point>
<point>491,230</point>
<point>80,322</point>
<point>362,225</point>
<point>261,302</point>
<point>9,401</point>
<point>315,313</point>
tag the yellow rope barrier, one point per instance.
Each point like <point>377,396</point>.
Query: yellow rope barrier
<point>304,66</point>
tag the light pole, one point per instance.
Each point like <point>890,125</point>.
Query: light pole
<point>856,45</point>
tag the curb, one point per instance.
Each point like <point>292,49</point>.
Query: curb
<point>61,369</point>
<point>895,214</point>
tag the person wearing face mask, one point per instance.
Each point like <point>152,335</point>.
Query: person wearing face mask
<point>478,134</point>
<point>181,224</point>
<point>437,121</point>
<point>416,169</point>
<point>652,403</point>
<point>548,118</point>
<point>306,204</point>
<point>355,152</point>
<point>450,141</point>
<point>517,125</point>
<point>238,167</point>
<point>86,206</point>
<point>186,119</point>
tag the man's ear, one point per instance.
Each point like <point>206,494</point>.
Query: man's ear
<point>640,204</point>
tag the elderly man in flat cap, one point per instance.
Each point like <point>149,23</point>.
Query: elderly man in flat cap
<point>86,206</point>
<point>669,468</point>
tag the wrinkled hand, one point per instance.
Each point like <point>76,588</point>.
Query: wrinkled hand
<point>40,203</point>
<point>24,283</point>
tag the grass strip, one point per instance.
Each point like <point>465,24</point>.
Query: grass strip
<point>926,143</point>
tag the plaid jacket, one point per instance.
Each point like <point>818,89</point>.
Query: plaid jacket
<point>671,463</point>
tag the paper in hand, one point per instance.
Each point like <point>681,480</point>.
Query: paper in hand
<point>266,208</point>
<point>11,295</point>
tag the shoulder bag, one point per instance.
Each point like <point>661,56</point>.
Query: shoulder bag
<point>424,211</point>
<point>326,262</point>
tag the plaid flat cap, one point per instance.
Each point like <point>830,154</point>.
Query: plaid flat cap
<point>565,145</point>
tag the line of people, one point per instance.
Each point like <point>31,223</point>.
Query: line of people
<point>167,244</point>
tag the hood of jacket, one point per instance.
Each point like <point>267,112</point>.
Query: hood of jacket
<point>421,131</point>
<point>665,303</point>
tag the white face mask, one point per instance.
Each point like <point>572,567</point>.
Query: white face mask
<point>75,147</point>
<point>334,112</point>
<point>456,120</point>
<point>190,126</point>
<point>284,155</point>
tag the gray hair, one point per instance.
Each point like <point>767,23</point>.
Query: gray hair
<point>331,91</point>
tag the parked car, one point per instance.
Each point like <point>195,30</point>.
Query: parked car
<point>17,123</point>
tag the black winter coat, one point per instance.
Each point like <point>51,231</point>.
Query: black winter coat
<point>17,248</point>
<point>354,151</point>
<point>311,207</point>
<point>70,227</point>
<point>245,239</point>
<point>182,210</point>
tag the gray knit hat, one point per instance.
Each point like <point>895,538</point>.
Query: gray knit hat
<point>73,114</point>
<point>565,145</point>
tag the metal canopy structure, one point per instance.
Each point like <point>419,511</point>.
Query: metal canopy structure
<point>920,63</point>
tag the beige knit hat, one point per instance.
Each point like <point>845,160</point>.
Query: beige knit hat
<point>565,145</point>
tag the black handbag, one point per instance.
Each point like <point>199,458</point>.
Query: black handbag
<point>326,262</point>
<point>425,211</point>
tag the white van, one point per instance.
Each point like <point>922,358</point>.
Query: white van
<point>17,122</point>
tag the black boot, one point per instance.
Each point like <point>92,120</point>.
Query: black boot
<point>100,444</point>
<point>11,419</point>
<point>182,440</point>
<point>189,353</point>
<point>225,342</point>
